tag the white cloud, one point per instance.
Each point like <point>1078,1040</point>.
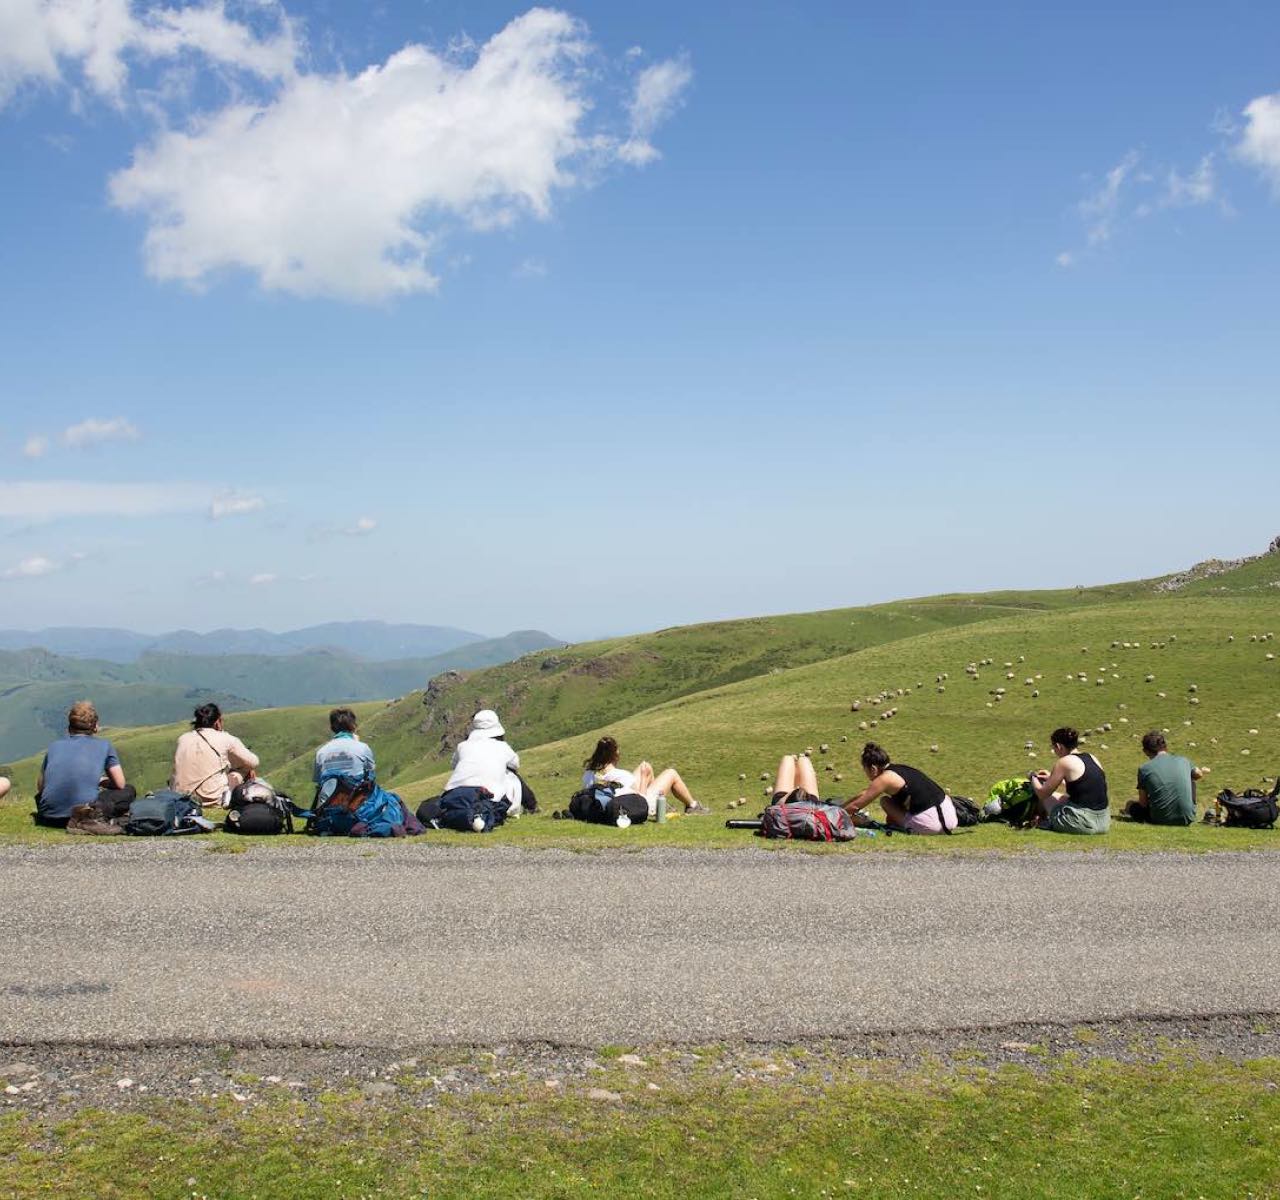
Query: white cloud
<point>1066,259</point>
<point>1199,187</point>
<point>345,185</point>
<point>54,499</point>
<point>263,580</point>
<point>1100,208</point>
<point>32,568</point>
<point>94,432</point>
<point>41,39</point>
<point>234,504</point>
<point>531,268</point>
<point>362,527</point>
<point>1259,144</point>
<point>35,446</point>
<point>659,90</point>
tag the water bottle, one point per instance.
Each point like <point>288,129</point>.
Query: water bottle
<point>623,821</point>
<point>662,806</point>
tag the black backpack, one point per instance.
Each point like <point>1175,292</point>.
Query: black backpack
<point>602,805</point>
<point>257,808</point>
<point>1250,809</point>
<point>967,813</point>
<point>159,814</point>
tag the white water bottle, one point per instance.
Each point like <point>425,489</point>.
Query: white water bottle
<point>623,821</point>
<point>662,806</point>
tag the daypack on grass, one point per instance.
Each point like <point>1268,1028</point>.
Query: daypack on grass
<point>459,808</point>
<point>1250,809</point>
<point>1011,800</point>
<point>808,823</point>
<point>967,813</point>
<point>346,806</point>
<point>158,814</point>
<point>602,805</point>
<point>257,808</point>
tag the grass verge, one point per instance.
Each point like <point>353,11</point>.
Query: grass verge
<point>1179,1126</point>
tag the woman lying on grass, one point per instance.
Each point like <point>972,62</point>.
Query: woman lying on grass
<point>910,799</point>
<point>1085,808</point>
<point>602,767</point>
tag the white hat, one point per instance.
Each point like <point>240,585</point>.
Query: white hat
<point>486,724</point>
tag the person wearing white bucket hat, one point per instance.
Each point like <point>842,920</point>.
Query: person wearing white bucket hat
<point>484,760</point>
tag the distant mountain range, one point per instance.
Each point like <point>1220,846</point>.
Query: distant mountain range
<point>374,640</point>
<point>155,686</point>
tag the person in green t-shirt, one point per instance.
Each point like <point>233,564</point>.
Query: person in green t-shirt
<point>1166,785</point>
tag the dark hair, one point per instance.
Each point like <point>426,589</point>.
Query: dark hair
<point>342,720</point>
<point>1066,736</point>
<point>604,755</point>
<point>874,756</point>
<point>1153,743</point>
<point>206,716</point>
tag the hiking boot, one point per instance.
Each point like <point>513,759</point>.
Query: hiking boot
<point>696,810</point>
<point>86,818</point>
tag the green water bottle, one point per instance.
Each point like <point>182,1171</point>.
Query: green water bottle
<point>662,807</point>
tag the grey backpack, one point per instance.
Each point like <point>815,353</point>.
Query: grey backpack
<point>158,814</point>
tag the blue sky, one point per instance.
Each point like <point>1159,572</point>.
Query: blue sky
<point>613,317</point>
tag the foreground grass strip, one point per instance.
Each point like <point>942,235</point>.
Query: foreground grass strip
<point>1182,1127</point>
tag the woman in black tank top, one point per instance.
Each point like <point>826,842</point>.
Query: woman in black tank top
<point>1085,807</point>
<point>910,799</point>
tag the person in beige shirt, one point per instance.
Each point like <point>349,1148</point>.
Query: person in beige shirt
<point>208,762</point>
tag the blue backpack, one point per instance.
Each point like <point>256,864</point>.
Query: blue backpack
<point>349,807</point>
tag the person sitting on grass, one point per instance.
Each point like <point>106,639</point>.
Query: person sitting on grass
<point>344,754</point>
<point>1166,785</point>
<point>81,776</point>
<point>796,781</point>
<point>1086,806</point>
<point>910,799</point>
<point>208,762</point>
<point>602,767</point>
<point>485,765</point>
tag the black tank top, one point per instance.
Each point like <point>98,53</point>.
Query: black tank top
<point>1090,790</point>
<point>921,793</point>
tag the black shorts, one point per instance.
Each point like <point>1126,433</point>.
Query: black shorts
<point>799,796</point>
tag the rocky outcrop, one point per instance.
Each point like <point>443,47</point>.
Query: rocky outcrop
<point>1212,567</point>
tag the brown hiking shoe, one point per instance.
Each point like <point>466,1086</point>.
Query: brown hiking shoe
<point>85,818</point>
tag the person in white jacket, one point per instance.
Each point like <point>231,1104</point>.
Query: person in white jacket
<point>483,759</point>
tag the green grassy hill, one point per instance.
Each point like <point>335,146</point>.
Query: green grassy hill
<point>727,699</point>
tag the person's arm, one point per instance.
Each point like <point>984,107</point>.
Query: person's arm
<point>115,772</point>
<point>513,763</point>
<point>1045,783</point>
<point>1198,773</point>
<point>241,757</point>
<point>877,787</point>
<point>44,762</point>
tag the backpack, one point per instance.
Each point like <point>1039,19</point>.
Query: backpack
<point>347,806</point>
<point>257,808</point>
<point>601,805</point>
<point>459,808</point>
<point>158,814</point>
<point>1250,809</point>
<point>967,813</point>
<point>1010,800</point>
<point>805,822</point>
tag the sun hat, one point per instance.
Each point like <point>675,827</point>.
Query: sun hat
<point>486,724</point>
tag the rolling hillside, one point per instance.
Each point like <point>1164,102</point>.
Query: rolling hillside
<point>36,686</point>
<point>728,698</point>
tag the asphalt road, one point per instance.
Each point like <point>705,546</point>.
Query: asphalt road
<point>402,945</point>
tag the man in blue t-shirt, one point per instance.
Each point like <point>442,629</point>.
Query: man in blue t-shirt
<point>344,753</point>
<point>81,769</point>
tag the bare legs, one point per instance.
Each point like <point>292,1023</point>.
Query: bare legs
<point>5,785</point>
<point>667,781</point>
<point>796,773</point>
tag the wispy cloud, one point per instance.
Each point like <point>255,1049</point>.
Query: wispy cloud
<point>36,446</point>
<point>94,431</point>
<point>53,499</point>
<point>234,504</point>
<point>362,527</point>
<point>659,91</point>
<point>35,567</point>
<point>264,579</point>
<point>93,42</point>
